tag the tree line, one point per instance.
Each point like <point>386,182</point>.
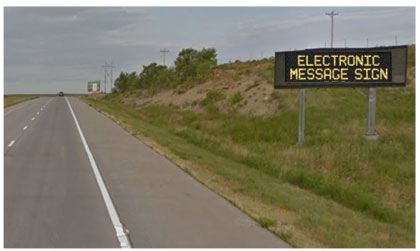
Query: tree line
<point>191,67</point>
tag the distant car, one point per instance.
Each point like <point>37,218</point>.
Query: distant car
<point>61,94</point>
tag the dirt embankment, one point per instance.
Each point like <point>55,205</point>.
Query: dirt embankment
<point>246,87</point>
<point>251,82</point>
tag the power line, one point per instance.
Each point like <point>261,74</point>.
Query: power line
<point>332,14</point>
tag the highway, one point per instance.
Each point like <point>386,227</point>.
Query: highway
<point>75,179</point>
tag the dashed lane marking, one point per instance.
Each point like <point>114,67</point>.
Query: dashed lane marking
<point>11,143</point>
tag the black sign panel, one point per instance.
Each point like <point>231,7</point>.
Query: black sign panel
<point>380,66</point>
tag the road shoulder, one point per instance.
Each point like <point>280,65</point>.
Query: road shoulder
<point>161,205</point>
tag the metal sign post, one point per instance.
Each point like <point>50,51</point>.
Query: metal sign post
<point>301,133</point>
<point>371,115</point>
<point>341,67</point>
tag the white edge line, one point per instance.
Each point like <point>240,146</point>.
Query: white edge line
<point>25,127</point>
<point>11,143</point>
<point>121,235</point>
<point>33,118</point>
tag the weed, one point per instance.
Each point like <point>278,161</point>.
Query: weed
<point>212,97</point>
<point>236,98</point>
<point>266,222</point>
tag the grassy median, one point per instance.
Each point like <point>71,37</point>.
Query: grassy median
<point>10,100</point>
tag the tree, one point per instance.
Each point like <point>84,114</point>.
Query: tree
<point>121,82</point>
<point>191,66</point>
<point>155,76</point>
<point>126,82</point>
<point>195,65</point>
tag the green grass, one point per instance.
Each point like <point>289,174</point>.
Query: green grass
<point>236,98</point>
<point>266,222</point>
<point>346,190</point>
<point>337,190</point>
<point>212,96</point>
<point>10,100</point>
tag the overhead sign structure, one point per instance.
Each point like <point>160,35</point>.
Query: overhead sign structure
<point>346,67</point>
<point>94,86</point>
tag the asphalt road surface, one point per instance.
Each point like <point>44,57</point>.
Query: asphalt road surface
<point>71,176</point>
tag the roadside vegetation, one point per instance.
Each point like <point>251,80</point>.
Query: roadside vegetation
<point>191,67</point>
<point>234,133</point>
<point>10,100</point>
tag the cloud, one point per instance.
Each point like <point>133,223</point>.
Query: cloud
<point>386,14</point>
<point>60,48</point>
<point>56,20</point>
<point>255,28</point>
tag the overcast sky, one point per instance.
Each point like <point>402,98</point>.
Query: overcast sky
<point>59,49</point>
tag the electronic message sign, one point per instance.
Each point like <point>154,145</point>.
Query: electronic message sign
<point>349,67</point>
<point>94,86</point>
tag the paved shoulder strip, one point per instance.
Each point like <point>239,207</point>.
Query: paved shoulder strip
<point>120,233</point>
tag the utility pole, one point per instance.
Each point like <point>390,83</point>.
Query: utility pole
<point>332,14</point>
<point>367,42</point>
<point>164,51</point>
<point>345,43</point>
<point>112,80</point>
<point>396,40</point>
<point>105,68</point>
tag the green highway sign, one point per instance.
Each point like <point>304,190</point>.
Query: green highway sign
<point>94,86</point>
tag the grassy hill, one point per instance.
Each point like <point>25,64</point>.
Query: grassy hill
<point>237,135</point>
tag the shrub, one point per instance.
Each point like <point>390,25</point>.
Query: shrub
<point>195,65</point>
<point>156,76</point>
<point>266,222</point>
<point>236,98</point>
<point>191,67</point>
<point>126,82</point>
<point>212,97</point>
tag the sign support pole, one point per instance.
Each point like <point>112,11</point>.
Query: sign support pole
<point>301,133</point>
<point>371,115</point>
